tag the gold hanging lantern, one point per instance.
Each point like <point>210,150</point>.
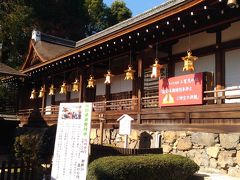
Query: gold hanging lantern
<point>33,94</point>
<point>232,3</point>
<point>156,69</point>
<point>75,86</point>
<point>129,73</point>
<point>41,92</point>
<point>189,61</point>
<point>51,90</point>
<point>91,82</point>
<point>63,89</point>
<point>108,77</point>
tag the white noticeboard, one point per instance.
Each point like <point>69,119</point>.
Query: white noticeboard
<point>125,124</point>
<point>71,150</point>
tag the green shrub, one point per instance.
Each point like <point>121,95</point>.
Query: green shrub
<point>146,167</point>
<point>34,144</point>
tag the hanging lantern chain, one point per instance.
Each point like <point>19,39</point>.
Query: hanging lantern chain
<point>157,49</point>
<point>109,64</point>
<point>189,39</point>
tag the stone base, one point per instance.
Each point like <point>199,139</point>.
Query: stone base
<point>213,152</point>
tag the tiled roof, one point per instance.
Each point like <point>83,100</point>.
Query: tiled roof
<point>131,21</point>
<point>6,70</point>
<point>48,51</point>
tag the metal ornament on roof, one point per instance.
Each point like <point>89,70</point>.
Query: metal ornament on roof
<point>33,94</point>
<point>129,73</point>
<point>51,90</point>
<point>63,89</point>
<point>189,61</point>
<point>156,69</point>
<point>75,86</point>
<point>41,92</point>
<point>108,77</point>
<point>91,82</point>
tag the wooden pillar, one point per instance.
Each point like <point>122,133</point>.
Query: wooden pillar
<point>68,96</point>
<point>80,95</point>
<point>135,80</point>
<point>171,64</point>
<point>68,86</point>
<point>140,80</point>
<point>83,86</point>
<point>53,100</point>
<point>219,66</point>
<point>108,92</point>
<point>102,121</point>
<point>20,98</point>
<point>43,99</point>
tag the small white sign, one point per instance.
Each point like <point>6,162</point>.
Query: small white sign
<point>125,124</point>
<point>71,149</point>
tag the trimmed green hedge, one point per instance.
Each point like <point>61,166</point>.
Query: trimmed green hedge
<point>145,167</point>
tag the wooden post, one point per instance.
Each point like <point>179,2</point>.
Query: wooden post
<point>219,67</point>
<point>83,86</point>
<point>3,170</point>
<point>102,121</point>
<point>108,92</point>
<point>188,118</point>
<point>80,99</point>
<point>101,132</point>
<point>135,80</point>
<point>53,100</point>
<point>171,64</point>
<point>43,99</point>
<point>125,141</point>
<point>68,96</point>
<point>139,89</point>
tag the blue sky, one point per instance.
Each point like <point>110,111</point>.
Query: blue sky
<point>138,6</point>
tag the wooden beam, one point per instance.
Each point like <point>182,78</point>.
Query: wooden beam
<point>195,128</point>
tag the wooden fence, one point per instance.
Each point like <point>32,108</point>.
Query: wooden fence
<point>15,170</point>
<point>98,151</point>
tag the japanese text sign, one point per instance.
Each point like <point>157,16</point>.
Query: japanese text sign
<point>71,149</point>
<point>181,90</point>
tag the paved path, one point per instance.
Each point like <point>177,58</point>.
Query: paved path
<point>208,176</point>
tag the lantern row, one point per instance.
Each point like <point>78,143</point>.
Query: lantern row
<point>129,75</point>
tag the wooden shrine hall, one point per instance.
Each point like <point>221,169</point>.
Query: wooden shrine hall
<point>174,67</point>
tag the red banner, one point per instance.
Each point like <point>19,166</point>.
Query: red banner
<point>181,90</point>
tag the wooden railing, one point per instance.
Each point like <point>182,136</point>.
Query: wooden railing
<point>150,102</point>
<point>219,95</point>
<point>116,105</point>
<point>214,96</point>
<point>210,97</point>
<point>49,110</point>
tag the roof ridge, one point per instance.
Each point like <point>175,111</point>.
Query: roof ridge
<point>39,36</point>
<point>130,21</point>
